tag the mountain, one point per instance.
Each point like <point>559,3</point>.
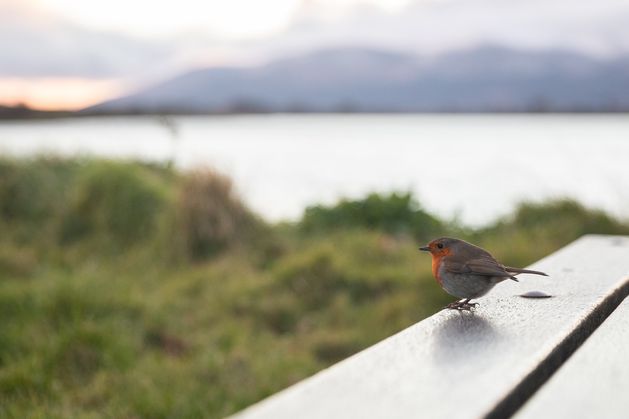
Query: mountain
<point>487,78</point>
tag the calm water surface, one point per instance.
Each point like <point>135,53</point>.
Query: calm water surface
<point>475,167</point>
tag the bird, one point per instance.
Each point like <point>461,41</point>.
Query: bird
<point>467,271</point>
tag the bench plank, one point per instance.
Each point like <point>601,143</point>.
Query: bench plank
<point>594,382</point>
<point>472,364</point>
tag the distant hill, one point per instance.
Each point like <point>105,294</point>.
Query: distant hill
<point>22,111</point>
<point>487,78</point>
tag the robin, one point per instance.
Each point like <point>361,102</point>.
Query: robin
<point>467,271</point>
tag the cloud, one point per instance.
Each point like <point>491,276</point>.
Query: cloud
<point>38,45</point>
<point>600,27</point>
<point>35,45</point>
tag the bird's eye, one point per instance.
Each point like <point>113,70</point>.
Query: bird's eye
<point>440,245</point>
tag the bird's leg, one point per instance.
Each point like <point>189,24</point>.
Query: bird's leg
<point>466,305</point>
<point>462,305</point>
<point>453,305</point>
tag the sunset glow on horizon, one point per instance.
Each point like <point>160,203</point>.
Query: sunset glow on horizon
<point>67,94</point>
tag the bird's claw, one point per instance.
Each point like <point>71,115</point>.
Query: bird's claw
<point>464,305</point>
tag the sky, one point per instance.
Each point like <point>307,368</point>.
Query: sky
<point>68,54</point>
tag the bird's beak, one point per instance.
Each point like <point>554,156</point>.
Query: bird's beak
<point>425,249</point>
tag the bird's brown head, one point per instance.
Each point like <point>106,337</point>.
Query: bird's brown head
<point>440,247</point>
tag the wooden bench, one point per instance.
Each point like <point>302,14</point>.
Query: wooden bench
<point>594,382</point>
<point>491,362</point>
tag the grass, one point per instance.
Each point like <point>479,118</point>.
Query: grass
<point>130,290</point>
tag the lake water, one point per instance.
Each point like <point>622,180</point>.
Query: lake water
<point>476,167</point>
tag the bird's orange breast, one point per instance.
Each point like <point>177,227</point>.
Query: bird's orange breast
<point>437,260</point>
<point>435,268</point>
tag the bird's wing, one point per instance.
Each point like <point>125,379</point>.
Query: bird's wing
<point>523,271</point>
<point>483,265</point>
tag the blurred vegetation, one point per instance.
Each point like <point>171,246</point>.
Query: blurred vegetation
<point>396,214</point>
<point>128,289</point>
<point>209,217</point>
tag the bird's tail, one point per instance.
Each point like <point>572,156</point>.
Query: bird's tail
<point>523,271</point>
